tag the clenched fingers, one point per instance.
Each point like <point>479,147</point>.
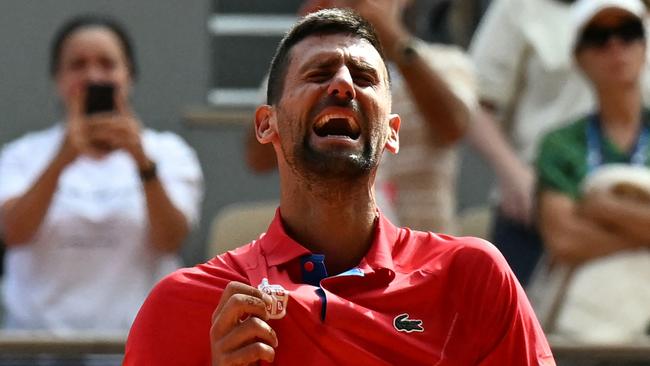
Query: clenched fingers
<point>236,307</point>
<point>246,355</point>
<point>250,329</point>
<point>239,342</point>
<point>238,288</point>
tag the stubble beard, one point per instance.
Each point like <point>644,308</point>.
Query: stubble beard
<point>341,165</point>
<point>334,168</point>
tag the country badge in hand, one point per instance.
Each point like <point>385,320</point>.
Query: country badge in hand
<point>278,308</point>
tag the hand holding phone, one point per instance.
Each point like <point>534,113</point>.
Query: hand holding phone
<point>100,98</point>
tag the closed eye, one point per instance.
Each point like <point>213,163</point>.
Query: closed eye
<point>319,76</point>
<point>364,80</point>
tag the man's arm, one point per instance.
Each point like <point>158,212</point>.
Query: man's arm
<point>445,114</point>
<point>571,236</point>
<point>516,178</point>
<point>178,323</point>
<point>499,50</point>
<point>503,327</point>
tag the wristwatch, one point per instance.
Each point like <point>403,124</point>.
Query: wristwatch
<point>148,173</point>
<point>407,51</point>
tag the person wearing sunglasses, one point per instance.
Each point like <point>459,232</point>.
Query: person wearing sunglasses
<point>589,216</point>
<point>599,36</point>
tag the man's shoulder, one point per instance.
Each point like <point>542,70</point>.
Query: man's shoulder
<point>172,325</point>
<point>428,248</point>
<point>211,276</point>
<point>448,243</point>
<point>194,286</point>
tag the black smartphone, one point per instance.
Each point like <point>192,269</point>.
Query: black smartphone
<point>100,98</point>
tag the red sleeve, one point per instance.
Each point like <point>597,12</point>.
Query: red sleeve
<point>507,330</point>
<point>173,324</point>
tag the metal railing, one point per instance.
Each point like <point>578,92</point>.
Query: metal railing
<point>55,349</point>
<point>566,350</point>
<point>92,348</point>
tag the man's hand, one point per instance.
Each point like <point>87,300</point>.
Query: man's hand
<point>240,334</point>
<point>516,189</point>
<point>384,15</point>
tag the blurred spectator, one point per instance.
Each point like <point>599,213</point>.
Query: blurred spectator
<point>521,51</point>
<point>421,178</point>
<point>594,178</point>
<point>94,208</point>
<point>450,21</point>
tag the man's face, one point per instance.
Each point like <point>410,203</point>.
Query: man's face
<point>333,115</point>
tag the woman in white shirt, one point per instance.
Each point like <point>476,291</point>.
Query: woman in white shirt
<point>94,208</point>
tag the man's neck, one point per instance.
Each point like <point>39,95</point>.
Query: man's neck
<point>620,115</point>
<point>332,220</point>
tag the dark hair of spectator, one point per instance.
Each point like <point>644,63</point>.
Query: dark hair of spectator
<point>323,22</point>
<point>90,21</point>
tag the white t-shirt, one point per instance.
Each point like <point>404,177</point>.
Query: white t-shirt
<point>89,266</point>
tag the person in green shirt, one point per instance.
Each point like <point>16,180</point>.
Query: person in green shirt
<point>610,50</point>
<point>593,189</point>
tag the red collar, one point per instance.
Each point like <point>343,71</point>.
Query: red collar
<point>279,248</point>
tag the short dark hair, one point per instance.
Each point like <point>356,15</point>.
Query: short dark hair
<point>323,22</point>
<point>89,21</point>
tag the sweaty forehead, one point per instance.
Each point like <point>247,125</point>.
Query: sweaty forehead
<point>319,48</point>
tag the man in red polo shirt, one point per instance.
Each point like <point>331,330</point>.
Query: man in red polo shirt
<point>360,290</point>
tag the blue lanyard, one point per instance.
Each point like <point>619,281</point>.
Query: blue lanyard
<point>594,145</point>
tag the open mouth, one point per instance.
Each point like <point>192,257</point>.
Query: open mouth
<point>335,125</point>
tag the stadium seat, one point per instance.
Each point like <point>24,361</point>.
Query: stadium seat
<point>238,224</point>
